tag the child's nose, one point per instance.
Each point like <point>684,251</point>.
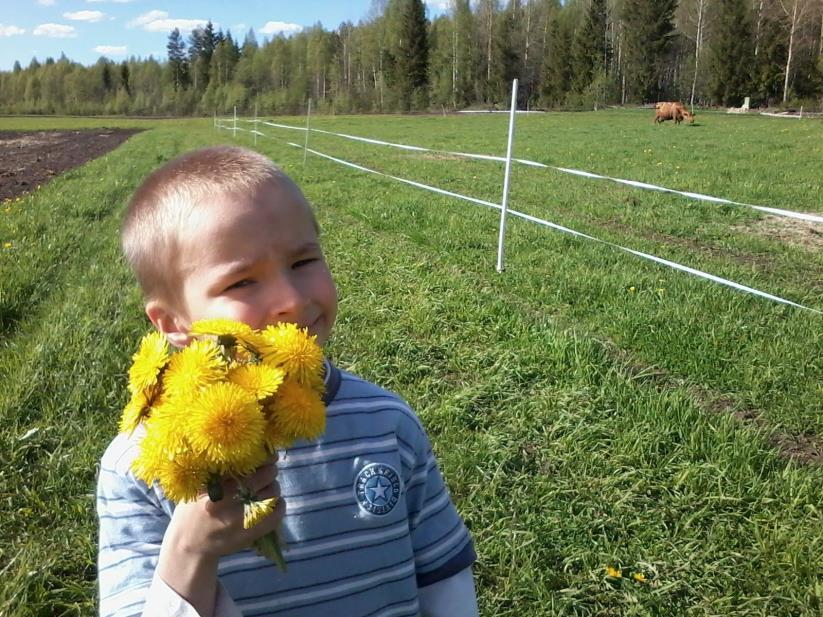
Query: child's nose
<point>287,300</point>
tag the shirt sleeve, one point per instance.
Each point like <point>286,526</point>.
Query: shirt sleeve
<point>163,601</point>
<point>451,597</point>
<point>441,542</point>
<point>132,521</point>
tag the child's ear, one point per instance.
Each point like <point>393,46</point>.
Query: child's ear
<point>168,322</point>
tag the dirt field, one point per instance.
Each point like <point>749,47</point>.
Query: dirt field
<point>30,159</point>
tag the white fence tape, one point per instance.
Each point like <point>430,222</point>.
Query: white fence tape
<point>804,216</point>
<point>533,219</point>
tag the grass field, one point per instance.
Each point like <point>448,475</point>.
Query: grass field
<point>589,409</point>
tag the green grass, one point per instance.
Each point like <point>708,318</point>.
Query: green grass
<point>579,424</point>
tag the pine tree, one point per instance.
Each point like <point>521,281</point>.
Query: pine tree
<point>731,52</point>
<point>463,51</point>
<point>648,39</point>
<point>176,50</point>
<point>411,55</point>
<point>124,77</point>
<point>509,65</point>
<point>555,75</point>
<point>591,50</point>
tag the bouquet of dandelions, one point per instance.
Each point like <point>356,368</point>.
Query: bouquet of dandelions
<point>219,408</point>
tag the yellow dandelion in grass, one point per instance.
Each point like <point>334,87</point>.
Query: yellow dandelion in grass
<point>294,349</point>
<point>297,412</point>
<point>135,411</point>
<point>193,368</point>
<point>148,362</point>
<point>261,380</point>
<point>226,425</point>
<point>639,577</point>
<point>256,511</point>
<point>613,572</point>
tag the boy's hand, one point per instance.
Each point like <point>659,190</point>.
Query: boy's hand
<point>202,531</point>
<point>205,528</point>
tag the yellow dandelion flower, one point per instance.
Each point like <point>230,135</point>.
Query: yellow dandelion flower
<point>297,412</point>
<point>639,577</point>
<point>294,349</point>
<point>151,455</point>
<point>256,511</point>
<point>226,425</point>
<point>220,327</point>
<point>169,419</point>
<point>135,410</point>
<point>613,572</point>
<point>148,362</point>
<point>193,368</point>
<point>182,476</point>
<point>261,380</point>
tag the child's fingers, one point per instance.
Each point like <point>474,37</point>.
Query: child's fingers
<point>268,491</point>
<point>264,476</point>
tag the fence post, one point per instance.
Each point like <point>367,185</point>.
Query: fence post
<point>234,130</point>
<point>306,143</point>
<point>214,121</point>
<point>504,205</point>
<point>255,124</point>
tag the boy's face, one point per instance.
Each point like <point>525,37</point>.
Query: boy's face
<point>256,258</point>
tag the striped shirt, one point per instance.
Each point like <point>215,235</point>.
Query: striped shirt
<point>368,520</point>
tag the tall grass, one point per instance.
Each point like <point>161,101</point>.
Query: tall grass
<point>580,424</point>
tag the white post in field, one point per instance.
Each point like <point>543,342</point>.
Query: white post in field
<point>306,143</point>
<point>255,124</point>
<point>234,131</point>
<point>214,122</point>
<point>504,205</point>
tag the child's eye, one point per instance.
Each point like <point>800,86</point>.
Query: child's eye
<point>304,262</point>
<point>240,284</point>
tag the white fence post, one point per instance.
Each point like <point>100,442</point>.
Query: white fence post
<point>255,124</point>
<point>504,205</point>
<point>234,130</point>
<point>306,143</point>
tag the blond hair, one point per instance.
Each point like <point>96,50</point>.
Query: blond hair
<point>162,204</point>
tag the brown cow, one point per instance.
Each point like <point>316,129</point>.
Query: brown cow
<point>672,111</point>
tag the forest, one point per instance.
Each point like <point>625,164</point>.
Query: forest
<point>577,54</point>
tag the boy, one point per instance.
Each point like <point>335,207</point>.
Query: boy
<point>368,525</point>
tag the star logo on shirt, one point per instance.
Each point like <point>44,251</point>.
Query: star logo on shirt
<point>377,488</point>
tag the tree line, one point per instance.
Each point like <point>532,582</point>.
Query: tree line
<point>577,54</point>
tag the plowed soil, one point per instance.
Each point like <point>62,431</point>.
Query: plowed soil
<point>30,159</point>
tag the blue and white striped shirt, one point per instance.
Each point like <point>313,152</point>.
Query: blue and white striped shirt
<point>368,521</point>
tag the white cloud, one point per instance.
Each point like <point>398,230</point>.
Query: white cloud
<point>440,5</point>
<point>111,50</point>
<point>10,30</point>
<point>158,21</point>
<point>55,31</point>
<point>278,27</point>
<point>92,16</point>
<point>46,2</point>
<point>147,18</point>
<point>184,25</point>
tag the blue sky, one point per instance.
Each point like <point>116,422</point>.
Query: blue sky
<point>118,29</point>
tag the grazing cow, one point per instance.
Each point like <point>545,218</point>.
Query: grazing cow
<point>672,111</point>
